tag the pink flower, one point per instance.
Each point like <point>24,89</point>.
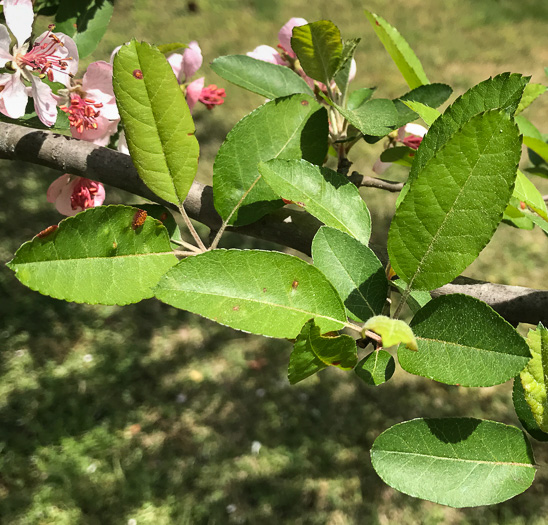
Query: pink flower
<point>74,194</point>
<point>92,110</point>
<point>193,92</point>
<point>410,135</point>
<point>186,64</point>
<point>267,54</point>
<point>53,54</point>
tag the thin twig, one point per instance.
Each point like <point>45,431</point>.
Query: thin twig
<point>215,242</point>
<point>373,182</point>
<point>185,244</point>
<point>186,254</point>
<point>191,228</point>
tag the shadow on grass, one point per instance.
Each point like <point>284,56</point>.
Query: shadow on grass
<point>147,412</point>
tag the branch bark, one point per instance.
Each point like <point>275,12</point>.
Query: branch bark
<point>291,228</point>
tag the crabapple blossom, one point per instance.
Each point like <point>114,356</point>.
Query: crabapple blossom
<point>91,106</point>
<point>410,135</point>
<point>72,194</point>
<point>53,54</point>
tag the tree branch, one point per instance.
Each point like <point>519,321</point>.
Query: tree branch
<point>292,228</point>
<point>374,182</point>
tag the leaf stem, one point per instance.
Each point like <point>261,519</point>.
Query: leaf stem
<point>186,254</point>
<point>191,228</point>
<point>222,229</point>
<point>186,245</point>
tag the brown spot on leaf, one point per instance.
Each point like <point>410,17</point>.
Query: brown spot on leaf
<point>48,231</point>
<point>336,363</point>
<point>304,102</point>
<point>115,245</point>
<point>236,308</point>
<point>294,284</point>
<point>138,219</point>
<point>264,290</point>
<point>137,73</point>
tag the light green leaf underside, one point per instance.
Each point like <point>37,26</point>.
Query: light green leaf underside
<point>426,113</point>
<point>392,331</point>
<point>266,293</point>
<point>460,462</point>
<point>288,128</point>
<point>324,193</point>
<point>400,51</point>
<point>463,341</point>
<point>526,191</point>
<point>530,94</point>
<point>257,76</point>
<point>523,411</point>
<point>376,117</point>
<point>354,271</point>
<point>313,352</point>
<point>157,122</point>
<point>534,377</point>
<point>319,48</point>
<point>451,211</point>
<point>96,257</point>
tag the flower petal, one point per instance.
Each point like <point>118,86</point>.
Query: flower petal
<point>192,59</point>
<point>56,187</point>
<point>284,36</point>
<point>44,101</point>
<point>101,135</point>
<point>176,62</point>
<point>267,54</point>
<point>415,129</point>
<point>97,83</point>
<point>5,42</point>
<point>19,17</point>
<point>122,144</point>
<point>14,95</point>
<point>193,92</point>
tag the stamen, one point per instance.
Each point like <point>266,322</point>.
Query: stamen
<point>82,112</point>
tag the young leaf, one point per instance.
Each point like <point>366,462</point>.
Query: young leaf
<point>431,95</point>
<point>460,462</point>
<point>85,22</point>
<point>157,122</point>
<point>266,293</point>
<point>515,217</point>
<point>167,49</point>
<point>463,341</point>
<point>288,128</point>
<point>400,51</point>
<point>523,411</point>
<point>96,257</point>
<point>376,368</point>
<point>539,146</point>
<point>530,94</point>
<point>322,192</point>
<point>501,92</point>
<point>392,331</point>
<point>461,194</point>
<point>534,377</point>
<point>257,76</point>
<point>354,271</point>
<point>319,48</point>
<point>525,191</point>
<point>342,73</point>
<point>313,352</point>
<point>358,97</point>
<point>426,113</point>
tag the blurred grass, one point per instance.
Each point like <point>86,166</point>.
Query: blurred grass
<point>144,412</point>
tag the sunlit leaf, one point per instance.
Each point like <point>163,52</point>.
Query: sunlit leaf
<point>392,331</point>
<point>376,368</point>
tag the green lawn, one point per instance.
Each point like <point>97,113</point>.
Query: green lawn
<point>146,413</point>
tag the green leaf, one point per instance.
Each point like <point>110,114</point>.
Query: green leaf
<point>167,49</point>
<point>416,299</point>
<point>534,377</point>
<point>257,76</point>
<point>530,94</point>
<point>523,411</point>
<point>392,331</point>
<point>313,352</point>
<point>31,120</point>
<point>538,146</point>
<point>86,22</point>
<point>327,195</point>
<point>464,341</point>
<point>516,218</point>
<point>400,51</point>
<point>96,257</point>
<point>354,271</point>
<point>376,368</point>
<point>525,191</point>
<point>342,73</point>
<point>319,48</point>
<point>358,97</point>
<point>377,117</point>
<point>461,194</point>
<point>266,293</point>
<point>460,462</point>
<point>159,129</point>
<point>401,155</point>
<point>501,92</point>
<point>426,113</point>
<point>162,214</point>
<point>288,128</point>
